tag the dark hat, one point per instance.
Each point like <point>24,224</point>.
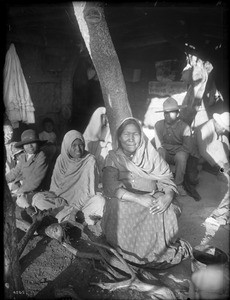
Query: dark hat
<point>170,104</point>
<point>29,136</point>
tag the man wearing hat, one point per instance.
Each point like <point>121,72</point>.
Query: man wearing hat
<point>173,141</point>
<point>30,169</point>
<point>213,146</point>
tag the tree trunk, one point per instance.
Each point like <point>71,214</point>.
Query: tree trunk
<point>94,30</point>
<point>12,273</point>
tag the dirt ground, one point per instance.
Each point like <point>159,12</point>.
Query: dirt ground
<point>48,268</point>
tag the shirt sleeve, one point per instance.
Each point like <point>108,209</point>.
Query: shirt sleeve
<point>36,175</point>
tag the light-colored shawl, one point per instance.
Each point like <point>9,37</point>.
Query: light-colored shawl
<point>95,131</point>
<point>73,180</point>
<point>146,162</point>
<point>98,140</point>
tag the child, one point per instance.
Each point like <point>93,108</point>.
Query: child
<point>48,134</point>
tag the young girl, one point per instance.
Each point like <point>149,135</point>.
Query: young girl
<point>48,133</point>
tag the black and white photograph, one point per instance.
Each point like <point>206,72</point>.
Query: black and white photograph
<point>116,150</point>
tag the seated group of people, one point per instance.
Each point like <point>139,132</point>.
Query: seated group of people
<point>206,145</point>
<point>130,187</point>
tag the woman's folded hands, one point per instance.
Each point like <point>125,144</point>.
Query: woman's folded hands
<point>160,204</point>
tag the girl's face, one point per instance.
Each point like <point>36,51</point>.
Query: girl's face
<point>77,149</point>
<point>31,148</point>
<point>130,139</point>
<point>48,126</point>
<point>171,116</point>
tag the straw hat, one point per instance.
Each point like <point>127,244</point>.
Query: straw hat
<point>222,120</point>
<point>29,136</point>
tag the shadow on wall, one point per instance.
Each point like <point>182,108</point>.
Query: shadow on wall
<point>86,94</point>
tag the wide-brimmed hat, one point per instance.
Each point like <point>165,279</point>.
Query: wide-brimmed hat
<point>222,120</point>
<point>170,104</point>
<point>29,136</point>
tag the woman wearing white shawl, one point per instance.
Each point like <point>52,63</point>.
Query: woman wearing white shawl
<point>97,137</point>
<point>74,179</point>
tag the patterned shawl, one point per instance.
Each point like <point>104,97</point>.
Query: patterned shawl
<point>146,162</point>
<point>74,180</point>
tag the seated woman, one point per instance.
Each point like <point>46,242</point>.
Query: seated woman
<point>74,182</point>
<point>140,216</point>
<point>30,171</point>
<point>98,140</point>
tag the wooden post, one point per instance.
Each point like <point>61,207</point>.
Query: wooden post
<point>94,30</point>
<point>12,272</point>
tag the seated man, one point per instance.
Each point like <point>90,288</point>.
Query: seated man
<point>30,169</point>
<point>213,146</point>
<point>173,141</point>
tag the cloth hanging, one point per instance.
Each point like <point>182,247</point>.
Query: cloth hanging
<point>17,100</point>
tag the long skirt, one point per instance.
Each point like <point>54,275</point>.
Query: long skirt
<point>141,237</point>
